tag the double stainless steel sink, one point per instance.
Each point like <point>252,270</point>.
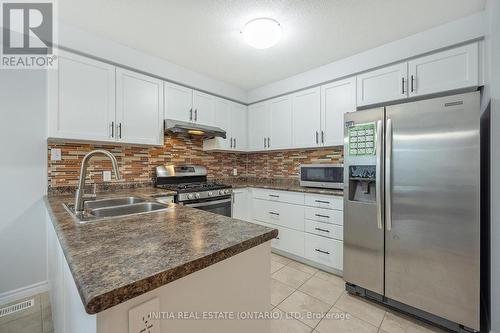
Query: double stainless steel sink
<point>116,207</point>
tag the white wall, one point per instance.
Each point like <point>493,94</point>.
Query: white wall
<point>493,40</point>
<point>83,41</point>
<point>23,181</point>
<point>466,29</point>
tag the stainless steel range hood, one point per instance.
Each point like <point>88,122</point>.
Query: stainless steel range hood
<point>183,127</point>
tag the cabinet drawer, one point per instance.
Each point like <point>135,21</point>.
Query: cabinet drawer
<point>288,240</point>
<point>325,229</point>
<point>279,213</point>
<point>325,215</point>
<point>279,196</point>
<point>323,250</point>
<point>324,201</point>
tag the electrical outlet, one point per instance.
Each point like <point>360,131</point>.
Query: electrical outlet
<point>235,172</point>
<point>55,154</point>
<point>139,318</point>
<point>106,175</point>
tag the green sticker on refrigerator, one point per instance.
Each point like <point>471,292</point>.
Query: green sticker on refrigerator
<point>362,140</point>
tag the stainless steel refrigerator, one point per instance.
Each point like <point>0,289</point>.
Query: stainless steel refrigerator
<point>411,208</point>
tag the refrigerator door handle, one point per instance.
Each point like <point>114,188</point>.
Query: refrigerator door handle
<point>388,172</point>
<point>378,175</point>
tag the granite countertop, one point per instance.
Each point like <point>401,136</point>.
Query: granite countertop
<point>282,185</point>
<point>114,260</point>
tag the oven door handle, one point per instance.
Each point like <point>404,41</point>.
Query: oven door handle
<point>207,203</point>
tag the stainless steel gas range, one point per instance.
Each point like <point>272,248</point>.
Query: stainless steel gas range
<point>193,189</point>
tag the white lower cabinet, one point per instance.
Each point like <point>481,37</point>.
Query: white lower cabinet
<point>310,225</point>
<point>240,204</point>
<point>328,252</point>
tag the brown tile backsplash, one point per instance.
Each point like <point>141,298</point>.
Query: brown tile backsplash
<point>137,163</point>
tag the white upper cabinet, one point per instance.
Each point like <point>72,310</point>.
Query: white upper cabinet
<point>383,85</point>
<point>337,98</point>
<point>448,70</point>
<point>139,108</point>
<point>239,126</point>
<point>81,99</point>
<point>306,118</point>
<point>204,108</point>
<point>259,119</point>
<point>178,102</point>
<point>281,123</point>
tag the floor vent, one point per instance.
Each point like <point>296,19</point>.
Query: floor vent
<point>17,307</point>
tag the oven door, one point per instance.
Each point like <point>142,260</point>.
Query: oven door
<point>218,206</point>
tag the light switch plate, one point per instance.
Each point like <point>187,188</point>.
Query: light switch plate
<point>55,154</point>
<point>139,318</point>
<point>106,175</point>
<point>235,172</point>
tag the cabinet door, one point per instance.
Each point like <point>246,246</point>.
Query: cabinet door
<point>306,114</point>
<point>258,126</point>
<point>178,102</point>
<point>337,98</point>
<point>448,70</point>
<point>241,204</point>
<point>222,119</point>
<point>281,123</point>
<point>204,108</point>
<point>81,99</point>
<point>383,85</point>
<point>239,126</point>
<point>139,108</point>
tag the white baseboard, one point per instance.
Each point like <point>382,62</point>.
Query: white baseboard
<point>17,294</point>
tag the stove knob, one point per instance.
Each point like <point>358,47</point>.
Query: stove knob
<point>197,195</point>
<point>210,193</point>
<point>226,191</point>
<point>221,192</point>
<point>190,196</point>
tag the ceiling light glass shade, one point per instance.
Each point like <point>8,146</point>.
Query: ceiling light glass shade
<point>262,33</point>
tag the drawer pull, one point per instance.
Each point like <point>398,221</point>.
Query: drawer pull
<point>277,237</point>
<point>324,230</point>
<point>273,213</point>
<point>321,251</point>
<point>322,201</point>
<point>274,196</point>
<point>325,216</point>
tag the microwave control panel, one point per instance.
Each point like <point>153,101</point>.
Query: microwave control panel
<point>362,139</point>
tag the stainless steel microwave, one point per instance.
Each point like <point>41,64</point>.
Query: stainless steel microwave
<point>322,175</point>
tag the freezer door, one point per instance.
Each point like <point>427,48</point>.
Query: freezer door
<point>432,206</point>
<point>363,193</point>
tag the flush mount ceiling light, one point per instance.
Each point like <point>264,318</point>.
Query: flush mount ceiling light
<point>262,33</point>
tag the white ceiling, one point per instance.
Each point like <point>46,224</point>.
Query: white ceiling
<point>203,35</point>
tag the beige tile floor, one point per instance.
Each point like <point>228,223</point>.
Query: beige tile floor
<point>37,319</point>
<point>316,301</point>
<point>306,299</point>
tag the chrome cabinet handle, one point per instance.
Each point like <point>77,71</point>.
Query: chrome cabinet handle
<point>403,85</point>
<point>264,142</point>
<point>112,129</point>
<point>234,143</point>
<point>196,115</point>
<point>268,142</point>
<point>274,195</point>
<point>120,130</point>
<point>273,213</point>
<point>388,185</point>
<point>378,175</point>
<point>325,216</point>
<point>324,230</point>
<point>321,251</point>
<point>321,201</point>
<point>322,137</point>
<point>317,137</point>
<point>231,142</point>
<point>412,83</point>
<point>191,114</point>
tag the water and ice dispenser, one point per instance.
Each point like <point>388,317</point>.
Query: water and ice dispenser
<point>362,183</point>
